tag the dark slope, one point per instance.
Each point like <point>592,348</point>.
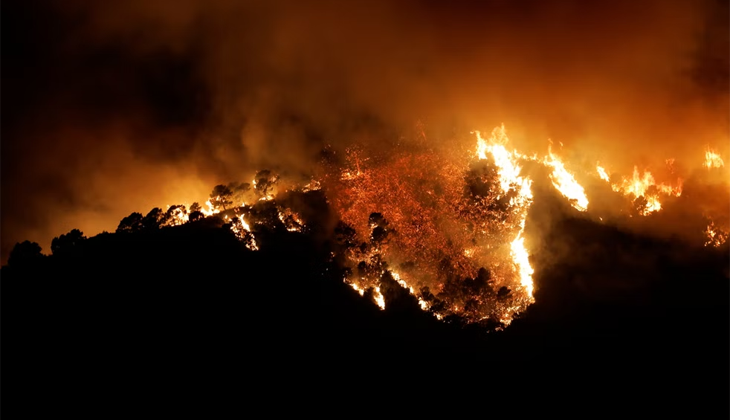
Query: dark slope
<point>188,312</point>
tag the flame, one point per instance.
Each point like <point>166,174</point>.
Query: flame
<point>509,174</point>
<point>640,186</point>
<point>712,159</point>
<point>209,210</point>
<point>242,230</point>
<point>507,164</point>
<point>179,216</point>
<point>422,303</point>
<point>291,220</point>
<point>522,261</point>
<point>358,289</point>
<point>715,236</point>
<point>379,298</point>
<point>652,205</point>
<point>602,173</point>
<point>564,182</point>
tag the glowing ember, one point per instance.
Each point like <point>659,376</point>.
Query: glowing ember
<point>715,236</point>
<point>713,160</point>
<point>314,185</point>
<point>291,220</point>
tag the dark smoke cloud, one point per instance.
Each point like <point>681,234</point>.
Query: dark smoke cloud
<point>117,107</point>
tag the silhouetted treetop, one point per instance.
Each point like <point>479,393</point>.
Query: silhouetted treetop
<point>221,197</point>
<point>25,253</point>
<point>131,223</point>
<point>239,192</point>
<point>345,235</point>
<point>195,215</point>
<point>154,219</point>
<point>69,242</point>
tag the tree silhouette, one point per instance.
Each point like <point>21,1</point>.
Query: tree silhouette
<point>154,219</point>
<point>131,223</point>
<point>195,216</point>
<point>380,228</point>
<point>221,197</point>
<point>68,243</point>
<point>25,254</point>
<point>239,191</point>
<point>195,207</point>
<point>345,235</point>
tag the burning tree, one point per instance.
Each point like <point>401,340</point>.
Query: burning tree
<point>221,197</point>
<point>264,183</point>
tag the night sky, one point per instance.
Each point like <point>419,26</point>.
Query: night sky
<point>110,108</point>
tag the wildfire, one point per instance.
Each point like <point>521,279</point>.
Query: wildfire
<point>712,159</point>
<point>448,226</point>
<point>450,222</point>
<point>644,185</point>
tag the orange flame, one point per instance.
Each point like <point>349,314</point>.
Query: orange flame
<point>712,159</point>
<point>565,182</point>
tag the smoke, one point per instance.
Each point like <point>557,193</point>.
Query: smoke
<point>118,107</point>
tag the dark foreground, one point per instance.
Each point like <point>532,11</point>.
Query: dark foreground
<point>186,317</point>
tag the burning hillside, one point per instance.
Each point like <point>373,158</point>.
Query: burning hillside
<point>447,225</point>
